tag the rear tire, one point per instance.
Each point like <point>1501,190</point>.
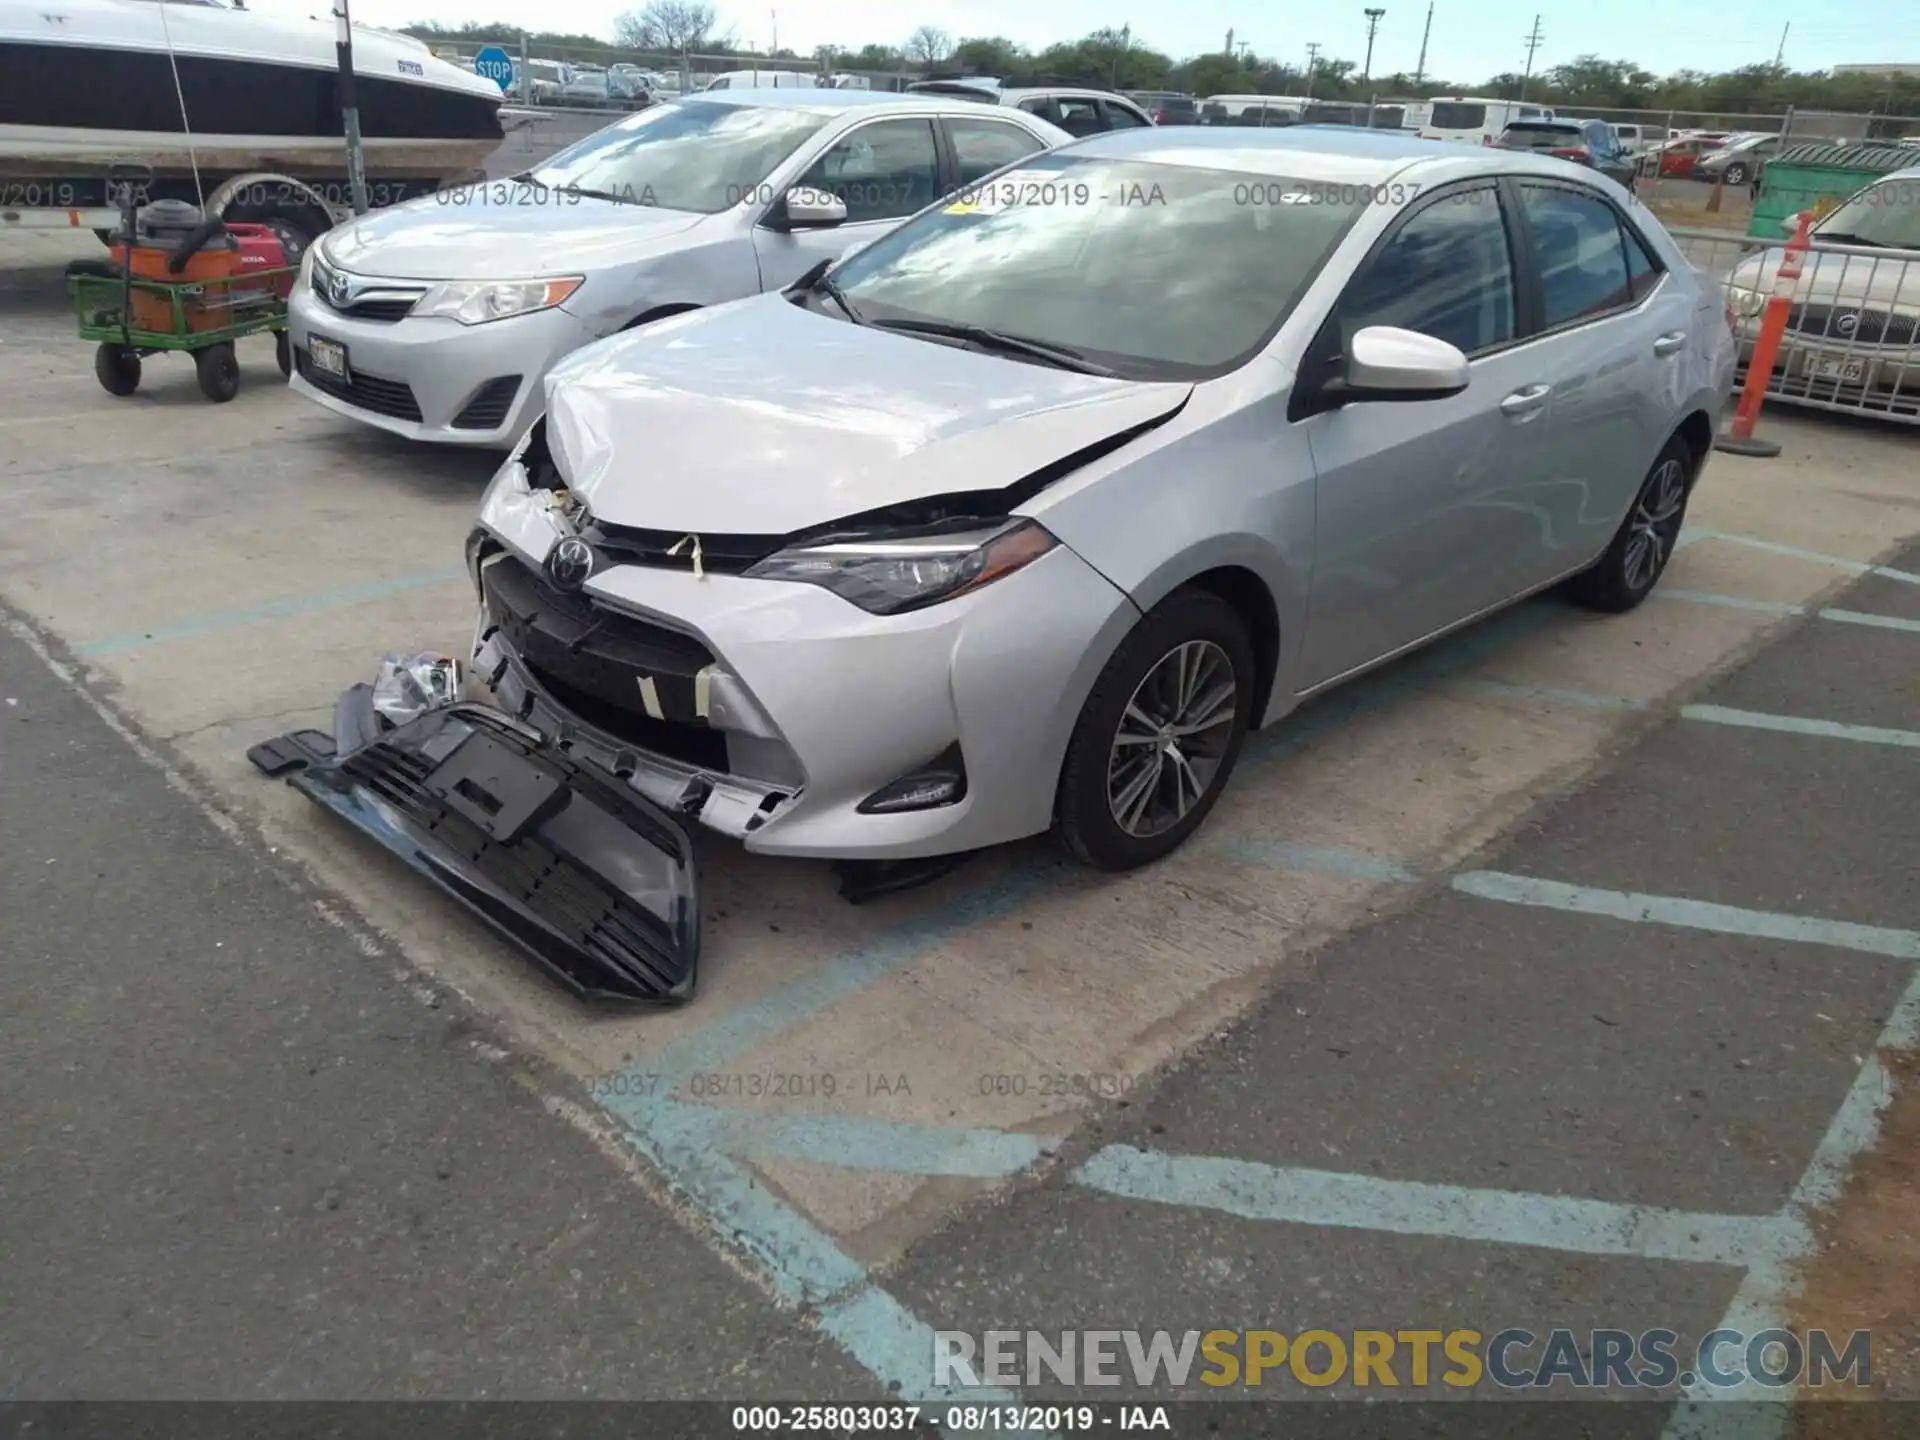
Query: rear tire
<point>117,368</point>
<point>1735,174</point>
<point>218,370</point>
<point>1158,735</point>
<point>1637,558</point>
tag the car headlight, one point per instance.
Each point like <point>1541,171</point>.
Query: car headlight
<point>475,302</point>
<point>1744,302</point>
<point>890,573</point>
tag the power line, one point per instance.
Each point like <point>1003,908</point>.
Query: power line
<point>1533,39</point>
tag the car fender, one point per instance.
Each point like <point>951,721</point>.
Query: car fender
<point>707,272</point>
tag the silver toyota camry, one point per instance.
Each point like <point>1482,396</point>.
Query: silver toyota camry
<point>438,319</point>
<point>1021,517</point>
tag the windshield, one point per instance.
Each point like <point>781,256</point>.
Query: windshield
<point>1155,271</point>
<point>691,156</point>
<point>1886,214</point>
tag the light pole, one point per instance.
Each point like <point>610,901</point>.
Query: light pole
<point>1373,15</point>
<point>1313,55</point>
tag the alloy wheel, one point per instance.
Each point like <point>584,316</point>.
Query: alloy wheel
<point>1655,525</point>
<point>1172,738</point>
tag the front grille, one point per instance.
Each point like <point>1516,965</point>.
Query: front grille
<point>488,408</point>
<point>363,392</point>
<point>384,308</point>
<point>1869,327</point>
<point>584,909</point>
<point>593,661</point>
<point>720,554</point>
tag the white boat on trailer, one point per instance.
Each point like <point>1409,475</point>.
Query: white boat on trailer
<point>224,106</point>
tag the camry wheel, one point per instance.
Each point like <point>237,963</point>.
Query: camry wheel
<point>1625,575</point>
<point>1159,734</point>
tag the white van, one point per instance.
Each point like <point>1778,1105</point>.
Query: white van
<point>1469,118</point>
<point>1639,139</point>
<point>764,80</point>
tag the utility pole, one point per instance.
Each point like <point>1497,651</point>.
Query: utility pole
<point>1229,42</point>
<point>1313,55</point>
<point>1420,70</point>
<point>1533,43</point>
<point>350,108</point>
<point>1373,23</point>
<point>1780,55</point>
<point>774,49</point>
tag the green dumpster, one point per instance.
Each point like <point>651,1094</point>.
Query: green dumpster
<point>1818,177</point>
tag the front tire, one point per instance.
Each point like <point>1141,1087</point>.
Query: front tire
<point>117,369</point>
<point>1735,174</point>
<point>1158,735</point>
<point>218,370</point>
<point>1633,564</point>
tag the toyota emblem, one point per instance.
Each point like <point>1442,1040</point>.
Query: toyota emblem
<point>340,289</point>
<point>570,563</point>
<point>1848,322</point>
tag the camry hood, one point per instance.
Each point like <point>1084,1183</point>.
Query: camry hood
<point>500,230</point>
<point>763,418</point>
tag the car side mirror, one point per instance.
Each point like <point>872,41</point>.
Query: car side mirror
<point>810,209</point>
<point>1384,362</point>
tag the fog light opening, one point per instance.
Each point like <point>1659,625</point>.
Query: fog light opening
<point>940,782</point>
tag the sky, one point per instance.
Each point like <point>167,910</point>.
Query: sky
<point>1471,39</point>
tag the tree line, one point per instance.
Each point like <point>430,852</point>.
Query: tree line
<point>1112,59</point>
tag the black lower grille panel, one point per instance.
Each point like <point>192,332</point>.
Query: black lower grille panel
<point>1851,325</point>
<point>365,392</point>
<point>489,406</point>
<point>605,666</point>
<point>610,945</point>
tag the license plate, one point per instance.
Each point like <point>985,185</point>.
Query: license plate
<point>329,356</point>
<point>1847,371</point>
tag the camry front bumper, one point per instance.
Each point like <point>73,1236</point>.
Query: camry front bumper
<point>770,710</point>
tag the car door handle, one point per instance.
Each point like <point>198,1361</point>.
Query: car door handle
<point>1669,342</point>
<point>1526,400</point>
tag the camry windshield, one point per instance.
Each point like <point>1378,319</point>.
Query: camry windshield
<point>1887,214</point>
<point>696,155</point>
<point>1152,271</point>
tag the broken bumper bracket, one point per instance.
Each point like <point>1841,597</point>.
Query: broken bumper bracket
<point>596,883</point>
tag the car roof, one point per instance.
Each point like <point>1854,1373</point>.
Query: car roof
<point>1340,154</point>
<point>800,97</point>
<point>1013,94</point>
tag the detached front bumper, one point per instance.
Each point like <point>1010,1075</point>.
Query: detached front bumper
<point>431,378</point>
<point>770,711</point>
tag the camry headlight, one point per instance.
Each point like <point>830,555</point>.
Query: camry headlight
<point>1744,302</point>
<point>888,573</point>
<point>475,302</point>
<point>305,277</point>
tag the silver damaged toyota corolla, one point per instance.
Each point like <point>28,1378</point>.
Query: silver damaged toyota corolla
<point>1020,517</point>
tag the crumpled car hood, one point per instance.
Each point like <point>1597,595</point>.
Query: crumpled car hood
<point>761,417</point>
<point>500,231</point>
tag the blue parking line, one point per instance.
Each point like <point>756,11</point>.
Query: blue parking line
<point>1799,725</point>
<point>859,1142</point>
<point>283,609</point>
<point>1349,1201</point>
<point>1838,562</point>
<point>1730,602</point>
<point>1688,914</point>
<point>1883,622</point>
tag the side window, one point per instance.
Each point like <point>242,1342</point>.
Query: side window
<point>1121,118</point>
<point>983,146</point>
<point>1079,116</point>
<point>1446,272</point>
<point>1583,264</point>
<point>1643,271</point>
<point>882,171</point>
<point>1040,105</point>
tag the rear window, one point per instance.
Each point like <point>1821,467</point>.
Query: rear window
<point>1177,104</point>
<point>1541,135</point>
<point>1449,115</point>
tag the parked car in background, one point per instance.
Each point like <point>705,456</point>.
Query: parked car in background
<point>1676,158</point>
<point>762,80</point>
<point>1469,118</point>
<point>439,319</point>
<point>587,86</point>
<point>1259,111</point>
<point>1741,159</point>
<point>1037,565</point>
<point>1585,142</point>
<point>1853,335</point>
<point>630,84</point>
<point>1636,139</point>
<point>1078,112</point>
<point>1165,107</point>
<point>538,82</point>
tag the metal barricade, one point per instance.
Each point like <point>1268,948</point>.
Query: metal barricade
<point>1852,340</point>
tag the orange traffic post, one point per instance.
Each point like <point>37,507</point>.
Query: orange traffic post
<point>1739,439</point>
